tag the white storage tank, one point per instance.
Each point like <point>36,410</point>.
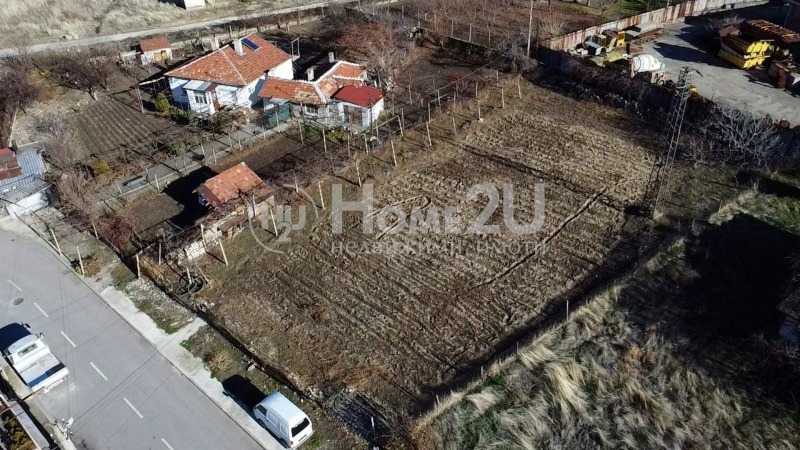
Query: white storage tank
<point>645,63</point>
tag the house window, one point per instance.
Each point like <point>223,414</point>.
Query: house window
<point>200,98</point>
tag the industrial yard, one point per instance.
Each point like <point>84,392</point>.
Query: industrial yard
<point>690,45</point>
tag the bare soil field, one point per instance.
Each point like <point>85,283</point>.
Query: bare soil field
<point>398,327</point>
<point>669,357</point>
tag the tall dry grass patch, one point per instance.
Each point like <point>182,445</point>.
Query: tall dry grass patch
<point>605,380</point>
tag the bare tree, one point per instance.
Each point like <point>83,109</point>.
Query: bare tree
<point>57,147</point>
<point>743,138</point>
<point>551,25</point>
<point>381,44</point>
<point>76,194</point>
<point>604,5</point>
<point>87,70</point>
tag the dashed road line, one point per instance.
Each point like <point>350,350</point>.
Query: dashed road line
<point>98,370</point>
<point>69,340</point>
<point>13,284</point>
<point>134,409</point>
<point>167,444</point>
<point>40,309</point>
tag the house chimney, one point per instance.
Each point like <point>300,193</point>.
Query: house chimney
<point>331,59</point>
<point>310,73</point>
<point>237,45</point>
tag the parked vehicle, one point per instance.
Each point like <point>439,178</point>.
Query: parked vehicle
<point>285,420</point>
<point>31,359</point>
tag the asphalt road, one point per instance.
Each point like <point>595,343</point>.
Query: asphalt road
<point>121,392</point>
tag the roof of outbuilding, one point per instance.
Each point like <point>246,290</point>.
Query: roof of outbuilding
<point>225,66</point>
<point>364,96</point>
<point>154,43</point>
<point>229,185</point>
<point>318,92</point>
<point>32,169</point>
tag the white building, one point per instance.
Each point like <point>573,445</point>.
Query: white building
<point>193,4</point>
<point>155,49</point>
<point>22,188</point>
<point>229,77</point>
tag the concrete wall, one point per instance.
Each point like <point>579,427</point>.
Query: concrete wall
<point>649,20</point>
<point>28,205</point>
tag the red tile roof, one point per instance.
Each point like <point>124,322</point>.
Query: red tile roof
<point>229,185</point>
<point>364,96</point>
<point>154,43</point>
<point>317,92</point>
<point>225,66</point>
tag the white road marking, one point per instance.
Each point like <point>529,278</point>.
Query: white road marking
<point>40,309</point>
<point>98,370</point>
<point>134,409</point>
<point>12,283</point>
<point>68,339</point>
<point>167,444</point>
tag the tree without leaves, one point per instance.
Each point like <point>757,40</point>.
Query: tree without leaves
<point>550,25</point>
<point>76,194</point>
<point>57,149</point>
<point>88,70</point>
<point>604,5</point>
<point>380,44</point>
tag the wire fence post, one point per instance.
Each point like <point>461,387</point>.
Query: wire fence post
<point>80,259</point>
<point>138,267</point>
<point>321,198</point>
<point>394,156</point>
<point>428,129</point>
<point>58,247</point>
<point>224,256</point>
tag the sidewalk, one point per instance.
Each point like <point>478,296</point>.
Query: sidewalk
<point>167,345</point>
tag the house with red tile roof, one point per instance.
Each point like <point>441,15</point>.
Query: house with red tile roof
<point>231,76</point>
<point>155,49</point>
<point>316,95</point>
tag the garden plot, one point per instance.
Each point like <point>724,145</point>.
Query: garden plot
<point>398,326</point>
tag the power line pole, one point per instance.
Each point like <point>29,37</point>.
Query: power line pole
<point>659,182</point>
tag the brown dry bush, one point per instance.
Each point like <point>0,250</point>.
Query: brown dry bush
<point>219,362</point>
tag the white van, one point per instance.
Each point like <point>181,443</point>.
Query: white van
<point>285,420</point>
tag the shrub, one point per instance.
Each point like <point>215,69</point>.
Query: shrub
<point>162,103</point>
<point>100,167</point>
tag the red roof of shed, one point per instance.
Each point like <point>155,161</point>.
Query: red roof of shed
<point>229,185</point>
<point>154,43</point>
<point>364,96</point>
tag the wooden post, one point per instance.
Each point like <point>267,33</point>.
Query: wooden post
<point>503,98</point>
<point>274,225</point>
<point>497,75</point>
<point>224,256</point>
<point>358,173</point>
<point>159,252</point>
<point>214,151</point>
<point>470,32</point>
<point>394,156</point>
<point>296,187</point>
<point>94,228</point>
<point>348,143</point>
<point>138,267</point>
<point>203,237</point>
<point>58,247</point>
<point>300,126</point>
<point>324,140</point>
<point>452,27</point>
<point>428,128</point>
<point>455,134</point>
<point>157,186</point>
<point>80,259</point>
<point>321,198</point>
<point>188,274</point>
<point>119,188</point>
<point>480,119</point>
<point>400,122</point>
<point>429,111</point>
<point>476,89</point>
<point>530,30</point>
<point>519,89</point>
<point>366,144</point>
<point>203,149</point>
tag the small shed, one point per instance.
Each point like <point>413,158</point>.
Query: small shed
<point>22,188</point>
<point>192,4</point>
<point>231,184</point>
<point>363,103</point>
<point>155,49</point>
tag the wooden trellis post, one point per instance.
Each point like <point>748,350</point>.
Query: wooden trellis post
<point>80,259</point>
<point>503,98</point>
<point>428,129</point>
<point>224,256</point>
<point>321,198</point>
<point>358,173</point>
<point>394,156</point>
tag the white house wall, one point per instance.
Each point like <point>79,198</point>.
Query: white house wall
<point>179,96</point>
<point>283,70</point>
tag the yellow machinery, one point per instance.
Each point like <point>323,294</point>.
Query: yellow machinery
<point>597,44</point>
<point>742,53</point>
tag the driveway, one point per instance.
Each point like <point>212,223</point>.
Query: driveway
<point>121,392</point>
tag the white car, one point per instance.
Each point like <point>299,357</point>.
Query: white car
<point>285,420</point>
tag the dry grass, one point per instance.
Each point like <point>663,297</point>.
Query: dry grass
<point>606,379</point>
<point>24,21</point>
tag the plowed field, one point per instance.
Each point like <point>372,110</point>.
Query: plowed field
<point>399,326</point>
